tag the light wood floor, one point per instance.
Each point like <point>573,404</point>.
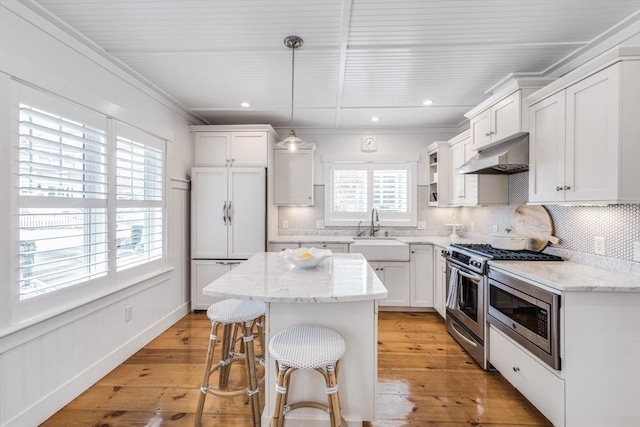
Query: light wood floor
<point>424,379</point>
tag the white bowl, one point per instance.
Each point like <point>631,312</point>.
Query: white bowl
<point>508,241</point>
<point>306,257</point>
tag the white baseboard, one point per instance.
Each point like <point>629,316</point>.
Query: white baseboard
<point>44,408</point>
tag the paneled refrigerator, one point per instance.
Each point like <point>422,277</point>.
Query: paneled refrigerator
<point>228,223</point>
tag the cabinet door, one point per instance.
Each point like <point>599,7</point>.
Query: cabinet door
<point>457,181</point>
<point>440,287</point>
<point>204,272</point>
<point>480,127</point>
<point>209,213</point>
<point>506,117</point>
<point>293,178</point>
<point>396,277</point>
<point>333,247</point>
<point>421,276</point>
<point>212,148</point>
<point>592,147</point>
<point>546,149</point>
<point>278,247</point>
<point>247,212</point>
<point>249,149</point>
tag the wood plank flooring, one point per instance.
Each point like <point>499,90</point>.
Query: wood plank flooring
<point>424,379</point>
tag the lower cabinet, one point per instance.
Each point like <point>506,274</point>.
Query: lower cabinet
<point>439,282</point>
<point>421,286</point>
<point>334,247</point>
<point>203,272</point>
<point>542,387</point>
<point>395,276</point>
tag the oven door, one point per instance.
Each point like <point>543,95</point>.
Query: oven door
<point>471,298</point>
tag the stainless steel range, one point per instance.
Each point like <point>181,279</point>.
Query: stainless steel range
<point>467,300</point>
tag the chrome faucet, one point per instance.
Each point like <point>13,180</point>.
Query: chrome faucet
<point>373,228</point>
<point>358,232</point>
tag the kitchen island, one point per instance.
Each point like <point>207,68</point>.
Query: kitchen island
<point>342,293</point>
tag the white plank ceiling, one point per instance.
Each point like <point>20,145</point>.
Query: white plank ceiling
<point>361,58</point>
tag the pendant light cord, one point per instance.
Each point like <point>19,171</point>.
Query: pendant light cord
<point>293,61</point>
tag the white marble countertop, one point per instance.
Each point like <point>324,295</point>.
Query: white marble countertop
<point>570,276</point>
<point>269,277</point>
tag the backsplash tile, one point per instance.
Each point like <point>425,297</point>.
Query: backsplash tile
<point>575,226</point>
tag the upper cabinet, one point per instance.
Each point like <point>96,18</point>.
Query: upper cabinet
<point>471,189</point>
<point>245,146</point>
<point>585,131</point>
<point>293,177</point>
<point>502,116</point>
<point>439,178</point>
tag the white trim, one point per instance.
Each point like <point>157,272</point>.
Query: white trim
<point>39,411</point>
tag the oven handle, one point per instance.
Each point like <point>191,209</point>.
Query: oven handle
<point>460,334</point>
<point>473,277</point>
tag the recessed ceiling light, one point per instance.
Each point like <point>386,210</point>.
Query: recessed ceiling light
<point>374,119</point>
<point>245,105</point>
<point>428,102</point>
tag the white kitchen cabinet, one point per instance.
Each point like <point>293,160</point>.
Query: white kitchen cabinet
<point>540,385</point>
<point>498,122</point>
<point>439,178</point>
<point>472,189</point>
<point>396,276</point>
<point>293,177</point>
<point>237,146</point>
<point>203,272</point>
<point>599,380</point>
<point>333,247</point>
<point>504,115</point>
<point>439,282</point>
<point>227,213</point>
<point>278,247</point>
<point>584,139</point>
<point>421,289</point>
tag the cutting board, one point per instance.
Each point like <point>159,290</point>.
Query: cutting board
<point>534,222</point>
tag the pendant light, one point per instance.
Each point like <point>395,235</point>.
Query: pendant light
<point>292,142</point>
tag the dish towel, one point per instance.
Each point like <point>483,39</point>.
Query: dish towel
<point>452,299</point>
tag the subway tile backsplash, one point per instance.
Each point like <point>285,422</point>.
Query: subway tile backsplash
<point>575,226</point>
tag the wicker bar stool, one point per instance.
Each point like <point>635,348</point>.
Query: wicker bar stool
<point>234,314</point>
<point>307,347</point>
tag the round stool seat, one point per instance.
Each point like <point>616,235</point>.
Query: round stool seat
<point>307,347</point>
<point>236,310</point>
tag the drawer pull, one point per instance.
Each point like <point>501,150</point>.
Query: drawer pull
<point>516,369</point>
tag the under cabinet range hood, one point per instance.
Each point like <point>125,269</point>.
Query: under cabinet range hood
<point>511,156</point>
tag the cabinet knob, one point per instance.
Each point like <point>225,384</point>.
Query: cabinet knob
<point>558,188</point>
<point>516,369</point>
<point>489,133</point>
<point>567,187</point>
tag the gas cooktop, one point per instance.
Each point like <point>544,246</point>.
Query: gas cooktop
<point>492,253</point>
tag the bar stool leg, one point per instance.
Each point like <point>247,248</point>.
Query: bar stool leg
<point>333,397</point>
<point>281,396</point>
<point>227,345</point>
<point>252,378</point>
<point>213,338</point>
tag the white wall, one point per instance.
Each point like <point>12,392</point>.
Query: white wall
<point>46,364</point>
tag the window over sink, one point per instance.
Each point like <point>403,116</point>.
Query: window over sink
<point>354,189</point>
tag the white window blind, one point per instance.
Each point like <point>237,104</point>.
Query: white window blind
<point>63,193</point>
<point>390,190</point>
<point>350,191</point>
<point>139,194</point>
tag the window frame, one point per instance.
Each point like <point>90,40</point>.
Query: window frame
<point>26,311</point>
<point>387,219</point>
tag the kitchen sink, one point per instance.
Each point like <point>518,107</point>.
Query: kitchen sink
<point>379,249</point>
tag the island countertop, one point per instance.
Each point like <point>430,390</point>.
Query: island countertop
<point>269,277</point>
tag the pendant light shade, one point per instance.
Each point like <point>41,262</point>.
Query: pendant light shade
<point>292,142</point>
